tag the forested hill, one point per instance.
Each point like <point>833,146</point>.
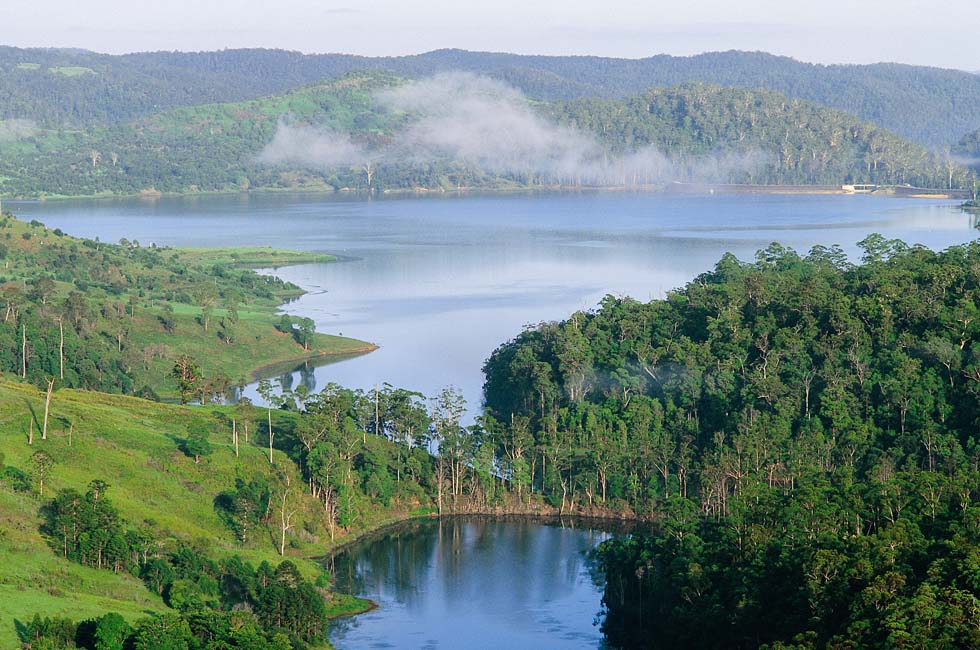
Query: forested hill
<point>801,142</point>
<point>74,87</point>
<point>805,432</point>
<point>351,134</point>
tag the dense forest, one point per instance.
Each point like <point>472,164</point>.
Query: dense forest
<point>802,143</point>
<point>804,430</point>
<point>76,88</point>
<point>351,136</point>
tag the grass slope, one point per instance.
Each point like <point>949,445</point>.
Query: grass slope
<point>134,445</point>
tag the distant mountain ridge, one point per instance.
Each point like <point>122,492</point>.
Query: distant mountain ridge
<point>930,106</point>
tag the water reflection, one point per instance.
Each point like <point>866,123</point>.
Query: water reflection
<point>438,283</point>
<point>474,582</point>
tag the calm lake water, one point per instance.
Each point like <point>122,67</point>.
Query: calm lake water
<point>474,583</point>
<point>439,282</point>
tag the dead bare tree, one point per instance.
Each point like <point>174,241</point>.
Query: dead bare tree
<point>47,408</point>
<point>61,347</point>
<point>285,518</point>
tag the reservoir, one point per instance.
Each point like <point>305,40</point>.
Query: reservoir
<point>439,282</point>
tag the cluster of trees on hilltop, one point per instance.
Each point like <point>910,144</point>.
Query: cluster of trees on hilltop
<point>805,432</point>
<point>75,88</point>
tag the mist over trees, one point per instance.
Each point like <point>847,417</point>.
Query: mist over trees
<point>75,88</point>
<point>376,132</point>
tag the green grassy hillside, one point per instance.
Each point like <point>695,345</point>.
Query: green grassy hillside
<point>135,445</point>
<point>189,507</point>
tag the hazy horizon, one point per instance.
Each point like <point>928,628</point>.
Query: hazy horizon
<point>477,51</point>
<point>833,32</point>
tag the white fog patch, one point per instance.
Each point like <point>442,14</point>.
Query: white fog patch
<point>965,161</point>
<point>17,129</point>
<point>311,146</point>
<point>489,125</point>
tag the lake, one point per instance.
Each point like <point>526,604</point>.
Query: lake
<point>476,583</point>
<point>439,282</point>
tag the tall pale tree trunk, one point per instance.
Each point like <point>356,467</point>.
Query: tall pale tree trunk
<point>271,436</point>
<point>285,521</point>
<point>61,349</point>
<point>47,407</point>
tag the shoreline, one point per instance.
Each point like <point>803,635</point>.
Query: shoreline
<point>661,188</point>
<point>542,517</point>
<point>270,369</point>
<point>543,513</point>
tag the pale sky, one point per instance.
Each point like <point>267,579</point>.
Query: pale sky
<point>922,32</point>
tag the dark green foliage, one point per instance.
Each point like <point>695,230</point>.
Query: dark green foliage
<point>87,529</point>
<point>16,479</point>
<point>285,601</point>
<point>48,633</point>
<point>111,632</point>
<point>164,632</point>
<point>797,142</point>
<point>196,445</point>
<point>803,432</point>
<point>244,507</point>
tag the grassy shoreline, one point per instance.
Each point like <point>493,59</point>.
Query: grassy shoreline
<point>135,310</point>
